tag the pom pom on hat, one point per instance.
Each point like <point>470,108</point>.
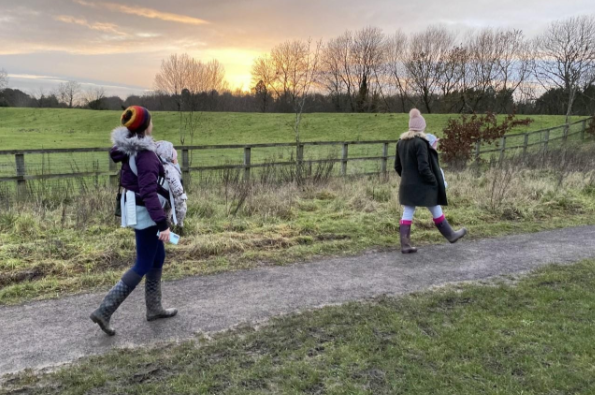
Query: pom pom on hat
<point>417,123</point>
<point>136,119</point>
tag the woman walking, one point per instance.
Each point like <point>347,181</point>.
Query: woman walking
<point>142,177</point>
<point>422,182</point>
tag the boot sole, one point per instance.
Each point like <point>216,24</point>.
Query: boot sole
<point>102,326</point>
<point>159,317</point>
<point>464,234</point>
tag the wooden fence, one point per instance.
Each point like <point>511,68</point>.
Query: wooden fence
<point>576,129</point>
<point>22,166</point>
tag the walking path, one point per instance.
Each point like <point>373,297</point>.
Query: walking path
<point>48,333</point>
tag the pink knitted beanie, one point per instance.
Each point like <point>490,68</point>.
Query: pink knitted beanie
<point>417,123</point>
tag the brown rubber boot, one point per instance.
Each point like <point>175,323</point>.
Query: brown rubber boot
<point>406,248</point>
<point>449,234</point>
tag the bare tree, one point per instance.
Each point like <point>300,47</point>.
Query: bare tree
<point>69,92</point>
<point>3,79</point>
<point>94,98</point>
<point>291,66</point>
<point>429,51</point>
<point>304,83</point>
<point>337,70</point>
<point>452,79</point>
<point>565,57</point>
<point>397,54</point>
<point>216,76</point>
<point>332,76</point>
<point>40,96</point>
<point>261,94</point>
<point>499,63</point>
<point>283,70</point>
<point>310,64</point>
<point>173,77</point>
<point>367,56</point>
<point>205,77</point>
<point>514,63</point>
<point>484,55</point>
<point>263,71</point>
<point>183,77</point>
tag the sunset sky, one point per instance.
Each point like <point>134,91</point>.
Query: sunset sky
<point>120,44</point>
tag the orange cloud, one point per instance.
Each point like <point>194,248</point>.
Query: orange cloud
<point>103,27</point>
<point>146,12</point>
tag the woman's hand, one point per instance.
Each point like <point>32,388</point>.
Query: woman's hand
<point>164,236</point>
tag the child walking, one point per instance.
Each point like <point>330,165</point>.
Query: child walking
<point>422,182</point>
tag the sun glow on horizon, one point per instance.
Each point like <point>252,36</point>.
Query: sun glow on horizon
<point>238,64</point>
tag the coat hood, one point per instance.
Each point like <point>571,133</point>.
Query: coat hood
<point>165,149</point>
<point>131,146</point>
<point>413,134</point>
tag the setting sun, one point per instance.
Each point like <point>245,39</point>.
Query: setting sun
<point>237,62</point>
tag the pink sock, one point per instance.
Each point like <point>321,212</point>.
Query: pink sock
<point>439,220</point>
<point>405,222</point>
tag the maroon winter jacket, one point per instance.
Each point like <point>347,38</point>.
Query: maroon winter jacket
<point>149,170</point>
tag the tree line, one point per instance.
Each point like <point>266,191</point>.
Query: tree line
<point>436,70</point>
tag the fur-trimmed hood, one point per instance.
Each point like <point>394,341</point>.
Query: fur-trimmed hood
<point>131,145</point>
<point>413,134</point>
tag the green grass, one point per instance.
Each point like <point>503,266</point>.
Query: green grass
<point>51,128</point>
<point>532,336</point>
<point>52,247</point>
<point>22,128</point>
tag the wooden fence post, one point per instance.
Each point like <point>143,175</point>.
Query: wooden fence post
<point>502,147</point>
<point>565,133</point>
<point>21,172</point>
<point>583,129</point>
<point>546,140</point>
<point>384,158</point>
<point>477,150</point>
<point>526,144</point>
<point>113,178</point>
<point>300,161</point>
<point>186,167</point>
<point>344,159</point>
<point>247,159</point>
<point>300,153</point>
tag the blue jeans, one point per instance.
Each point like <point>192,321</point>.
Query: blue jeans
<point>150,251</point>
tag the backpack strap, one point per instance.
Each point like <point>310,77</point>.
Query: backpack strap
<point>161,181</point>
<point>132,164</point>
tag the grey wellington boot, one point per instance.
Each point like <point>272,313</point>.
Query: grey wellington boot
<point>449,234</point>
<point>110,304</point>
<point>155,310</point>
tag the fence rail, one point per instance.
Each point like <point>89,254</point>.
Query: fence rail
<point>23,166</point>
<point>577,128</point>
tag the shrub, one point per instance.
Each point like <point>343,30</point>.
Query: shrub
<point>461,135</point>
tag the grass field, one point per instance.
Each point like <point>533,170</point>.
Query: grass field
<point>532,335</point>
<point>22,128</point>
<point>49,128</point>
<point>54,246</point>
